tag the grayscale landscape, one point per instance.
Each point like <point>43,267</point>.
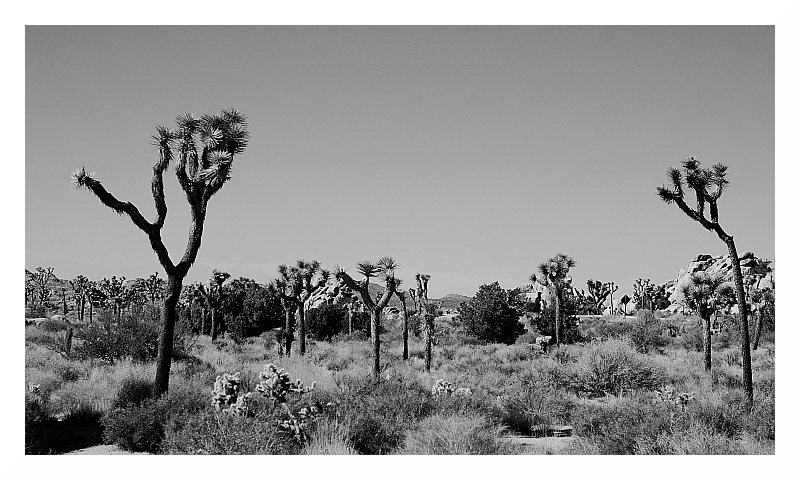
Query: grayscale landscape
<point>400,240</point>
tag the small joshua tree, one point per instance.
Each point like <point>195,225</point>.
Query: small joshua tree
<point>295,286</point>
<point>41,280</point>
<point>201,174</point>
<point>385,268</point>
<point>80,287</point>
<point>212,294</point>
<point>763,301</point>
<point>708,186</point>
<point>599,291</point>
<point>702,293</point>
<point>115,291</point>
<point>553,275</point>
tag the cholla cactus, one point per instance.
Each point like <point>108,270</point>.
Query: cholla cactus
<point>275,384</point>
<point>668,394</point>
<point>226,394</point>
<point>443,388</point>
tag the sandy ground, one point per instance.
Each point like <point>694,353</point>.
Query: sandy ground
<point>103,450</point>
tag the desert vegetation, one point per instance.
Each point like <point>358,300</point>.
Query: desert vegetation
<point>207,368</point>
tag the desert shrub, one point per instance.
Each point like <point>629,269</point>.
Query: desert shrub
<point>379,412</point>
<point>491,315</point>
<point>330,437</point>
<point>614,367</point>
<point>602,329</point>
<point>455,434</point>
<point>138,428</point>
<point>647,333</point>
<point>622,427</point>
<point>130,338</point>
<point>52,326</point>
<point>545,322</point>
<point>132,392</point>
<point>211,433</point>
<point>141,428</point>
<point>68,372</point>
<point>326,321</point>
<point>530,401</point>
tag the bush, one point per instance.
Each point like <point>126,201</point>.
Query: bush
<point>131,338</point>
<point>326,321</point>
<point>530,403</point>
<point>455,434</point>
<point>212,433</point>
<point>52,326</point>
<point>491,315</point>
<point>379,413</point>
<point>141,428</point>
<point>545,321</point>
<point>132,392</point>
<point>624,427</point>
<point>614,367</point>
<point>135,429</point>
<point>646,333</point>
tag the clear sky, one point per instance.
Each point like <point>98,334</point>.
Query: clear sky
<point>469,153</point>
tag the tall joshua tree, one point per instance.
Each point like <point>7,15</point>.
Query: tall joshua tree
<point>80,285</point>
<point>212,294</point>
<point>385,268</point>
<point>553,275</point>
<point>702,294</point>
<point>295,286</point>
<point>205,147</point>
<point>426,310</point>
<point>115,291</point>
<point>41,280</point>
<point>708,186</point>
<point>599,291</point>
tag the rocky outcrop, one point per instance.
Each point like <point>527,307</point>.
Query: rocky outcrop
<point>757,273</point>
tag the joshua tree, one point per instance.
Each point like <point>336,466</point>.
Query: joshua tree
<point>702,294</point>
<point>708,186</point>
<point>154,289</point>
<point>762,300</point>
<point>40,279</point>
<point>427,312</point>
<point>201,174</point>
<point>385,268</point>
<point>599,291</point>
<point>116,291</point>
<point>295,286</point>
<point>80,285</point>
<point>401,295</point>
<point>553,275</point>
<point>212,294</point>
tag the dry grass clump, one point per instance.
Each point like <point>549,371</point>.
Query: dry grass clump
<point>456,434</point>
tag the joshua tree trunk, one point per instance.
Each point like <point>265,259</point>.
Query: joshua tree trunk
<point>405,329</point>
<point>350,319</point>
<point>83,304</point>
<point>747,373</point>
<point>301,313</point>
<point>90,310</point>
<point>213,324</point>
<point>707,341</point>
<point>428,341</point>
<point>169,316</point>
<point>558,318</point>
<point>759,324</point>
<point>375,325</point>
<point>288,333</point>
